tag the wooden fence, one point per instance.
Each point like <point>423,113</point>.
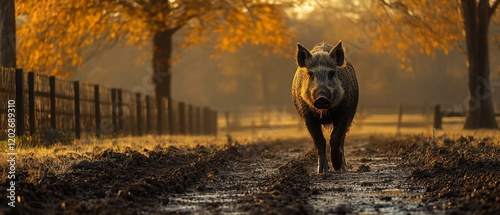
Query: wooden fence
<point>438,116</point>
<point>47,102</point>
<point>260,120</point>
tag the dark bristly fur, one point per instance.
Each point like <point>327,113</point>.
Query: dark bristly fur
<point>325,68</point>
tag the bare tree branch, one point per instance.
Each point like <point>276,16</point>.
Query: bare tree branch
<point>411,18</point>
<point>493,8</point>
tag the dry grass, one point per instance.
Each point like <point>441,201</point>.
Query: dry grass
<point>58,158</point>
<point>492,136</point>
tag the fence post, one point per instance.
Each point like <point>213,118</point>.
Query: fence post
<point>438,117</point>
<point>190,120</point>
<point>254,129</point>
<point>208,121</point>
<point>159,115</point>
<point>400,116</point>
<point>201,125</point>
<point>203,122</point>
<point>31,103</point>
<point>20,129</point>
<point>97,105</point>
<point>182,118</point>
<point>198,121</point>
<point>78,128</point>
<point>228,125</point>
<point>114,109</point>
<point>120,109</point>
<point>148,114</point>
<point>215,122</point>
<point>139,113</point>
<point>52,84</point>
<point>166,117</point>
<point>170,111</point>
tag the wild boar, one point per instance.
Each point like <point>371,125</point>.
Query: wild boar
<point>325,94</point>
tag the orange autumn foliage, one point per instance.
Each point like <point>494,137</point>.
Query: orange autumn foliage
<point>57,36</point>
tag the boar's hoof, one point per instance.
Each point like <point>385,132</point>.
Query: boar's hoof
<point>322,165</point>
<point>338,160</point>
<point>343,168</point>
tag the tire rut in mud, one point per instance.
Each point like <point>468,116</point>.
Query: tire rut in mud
<point>278,181</point>
<point>131,180</point>
<point>375,184</point>
<point>256,183</point>
<point>288,190</point>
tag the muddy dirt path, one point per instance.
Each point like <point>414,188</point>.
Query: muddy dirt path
<point>248,175</point>
<point>281,178</point>
<point>375,183</point>
<point>388,175</point>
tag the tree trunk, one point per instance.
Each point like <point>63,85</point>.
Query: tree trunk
<point>480,112</point>
<point>162,50</point>
<point>7,34</point>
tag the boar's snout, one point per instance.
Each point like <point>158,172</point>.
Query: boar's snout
<point>322,100</point>
<point>322,103</point>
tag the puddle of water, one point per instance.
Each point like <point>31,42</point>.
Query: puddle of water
<point>193,203</point>
<point>391,191</point>
<point>380,190</point>
<point>218,197</point>
<point>181,208</point>
<point>198,202</point>
<point>226,192</point>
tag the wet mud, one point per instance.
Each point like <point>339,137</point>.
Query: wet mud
<point>394,175</point>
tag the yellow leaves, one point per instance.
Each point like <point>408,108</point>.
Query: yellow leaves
<point>55,35</point>
<point>431,25</point>
<point>252,23</point>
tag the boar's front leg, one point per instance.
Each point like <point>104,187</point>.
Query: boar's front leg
<point>337,145</point>
<point>314,127</point>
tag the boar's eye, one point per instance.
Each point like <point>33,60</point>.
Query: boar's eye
<point>331,73</point>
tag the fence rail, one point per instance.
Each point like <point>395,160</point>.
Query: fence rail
<point>47,102</point>
<point>398,118</point>
<point>439,115</point>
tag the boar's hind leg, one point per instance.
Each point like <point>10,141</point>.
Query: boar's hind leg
<point>314,128</point>
<point>337,146</point>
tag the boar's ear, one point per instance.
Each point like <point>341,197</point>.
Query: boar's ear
<point>337,54</point>
<point>302,55</point>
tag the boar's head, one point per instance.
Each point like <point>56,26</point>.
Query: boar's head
<point>320,69</point>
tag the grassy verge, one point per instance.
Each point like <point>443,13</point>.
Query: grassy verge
<point>107,175</point>
<point>35,161</point>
